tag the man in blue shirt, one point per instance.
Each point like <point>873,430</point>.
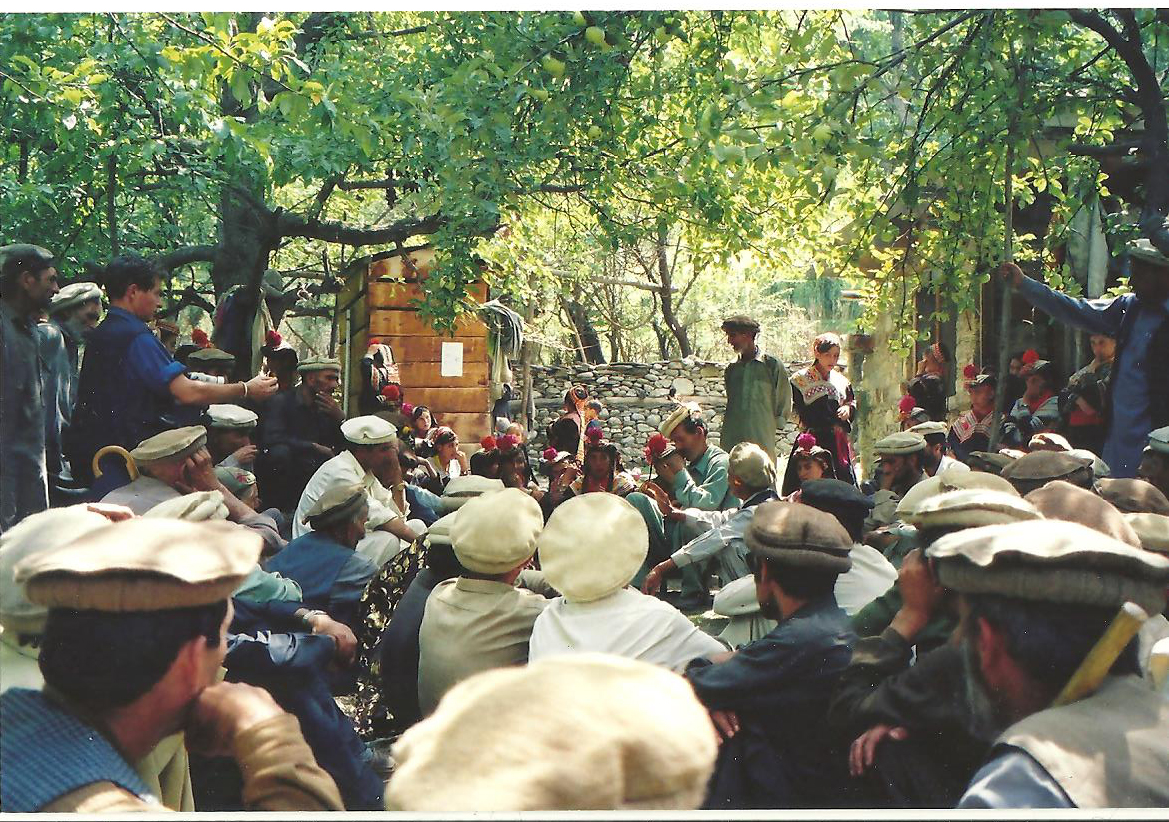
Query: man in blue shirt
<point>130,388</point>
<point>1140,324</point>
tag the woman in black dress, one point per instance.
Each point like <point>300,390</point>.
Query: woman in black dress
<point>824,402</point>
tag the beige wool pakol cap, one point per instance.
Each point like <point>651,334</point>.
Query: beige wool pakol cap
<point>440,532</point>
<point>493,533</point>
<point>1051,561</point>
<point>1064,501</point>
<point>210,355</point>
<point>200,506</point>
<point>318,364</point>
<point>918,493</point>
<point>955,479</point>
<point>926,429</point>
<point>799,535</point>
<point>339,503</point>
<point>368,430</point>
<point>903,442</point>
<point>465,487</point>
<point>1133,496</point>
<point>751,465</point>
<point>685,410</point>
<point>175,444</point>
<point>226,415</point>
<point>592,546</point>
<point>37,534</point>
<point>74,295</point>
<point>971,508</point>
<point>1152,530</point>
<point>569,733</point>
<point>989,462</point>
<point>1159,440</point>
<point>143,565</point>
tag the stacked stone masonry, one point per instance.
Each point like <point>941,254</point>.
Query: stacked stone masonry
<point>637,397</point>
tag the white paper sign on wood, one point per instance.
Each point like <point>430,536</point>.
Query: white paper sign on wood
<point>452,359</point>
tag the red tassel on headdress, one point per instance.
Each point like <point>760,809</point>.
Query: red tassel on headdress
<point>407,408</point>
<point>655,447</point>
<point>375,340</point>
<point>970,371</point>
<point>272,339</point>
<point>1030,356</point>
<point>391,392</point>
<point>805,442</point>
<point>594,434</point>
<point>907,404</point>
<point>507,442</point>
<point>199,338</point>
<point>549,454</point>
<point>488,443</point>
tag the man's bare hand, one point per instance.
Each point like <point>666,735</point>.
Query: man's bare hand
<point>199,472</point>
<point>329,406</point>
<point>222,712</point>
<point>325,625</point>
<point>112,512</point>
<point>1011,273</point>
<point>261,387</point>
<point>653,580</point>
<point>671,466</point>
<point>245,455</point>
<point>864,748</point>
<point>323,450</point>
<point>726,723</point>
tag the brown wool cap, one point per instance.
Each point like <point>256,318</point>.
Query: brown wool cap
<point>971,509</point>
<point>318,364</point>
<point>339,503</point>
<point>210,355</point>
<point>143,565</point>
<point>30,254</point>
<point>740,322</point>
<point>1152,529</point>
<point>1064,501</point>
<point>799,535</point>
<point>1044,561</point>
<point>1133,496</point>
<point>74,295</point>
<point>903,442</point>
<point>989,462</point>
<point>175,444</point>
<point>1038,468</point>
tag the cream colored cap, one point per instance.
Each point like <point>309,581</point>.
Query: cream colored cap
<point>143,565</point>
<point>210,355</point>
<point>683,411</point>
<point>1159,440</point>
<point>231,416</point>
<point>1152,530</point>
<point>579,732</point>
<point>368,430</point>
<point>1051,561</point>
<point>917,494</point>
<point>37,534</point>
<point>175,444</point>
<point>903,442</point>
<point>751,465</point>
<point>200,506</point>
<point>440,532</point>
<point>339,503</point>
<point>593,545</point>
<point>956,479</point>
<point>926,429</point>
<point>493,533</point>
<point>72,295</point>
<point>1049,441</point>
<point>972,509</point>
<point>318,364</point>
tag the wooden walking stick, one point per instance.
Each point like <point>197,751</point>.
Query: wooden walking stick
<point>1099,661</point>
<point>1000,387</point>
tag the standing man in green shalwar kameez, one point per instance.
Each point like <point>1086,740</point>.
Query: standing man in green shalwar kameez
<point>758,392</point>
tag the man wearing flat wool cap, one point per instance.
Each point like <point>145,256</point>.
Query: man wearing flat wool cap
<point>132,644</point>
<point>371,460</point>
<point>768,698</point>
<point>229,435</point>
<point>934,457</point>
<point>481,620</point>
<point>1034,599</point>
<point>901,459</point>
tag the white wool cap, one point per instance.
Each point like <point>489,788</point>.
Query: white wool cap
<point>200,506</point>
<point>493,533</point>
<point>593,545</point>
<point>45,531</point>
<point>368,430</point>
<point>917,494</point>
<point>580,732</point>
<point>226,415</point>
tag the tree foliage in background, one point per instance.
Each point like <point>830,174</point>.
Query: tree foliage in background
<point>662,148</point>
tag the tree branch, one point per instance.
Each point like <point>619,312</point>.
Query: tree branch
<point>632,284</point>
<point>295,225</point>
<point>1114,150</point>
<point>187,255</point>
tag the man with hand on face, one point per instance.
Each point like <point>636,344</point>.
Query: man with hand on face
<point>934,458</point>
<point>131,649</point>
<point>301,430</point>
<point>1138,398</point>
<point>769,698</point>
<point>130,388</point>
<point>28,281</point>
<point>901,466</point>
<point>758,389</point>
<point>229,436</point>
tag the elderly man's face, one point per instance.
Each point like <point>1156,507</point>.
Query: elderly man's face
<point>692,444</point>
<point>901,468</point>
<point>85,317</point>
<point>740,340</point>
<point>39,286</point>
<point>322,382</point>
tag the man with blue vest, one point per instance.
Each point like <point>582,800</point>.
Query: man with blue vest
<point>130,387</point>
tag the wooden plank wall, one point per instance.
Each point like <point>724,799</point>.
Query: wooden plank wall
<point>463,402</point>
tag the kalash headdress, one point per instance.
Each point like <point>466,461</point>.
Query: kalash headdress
<point>806,446</point>
<point>658,448</point>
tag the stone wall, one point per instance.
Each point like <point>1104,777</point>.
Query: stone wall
<point>637,397</point>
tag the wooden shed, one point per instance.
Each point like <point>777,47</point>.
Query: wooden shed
<point>377,300</point>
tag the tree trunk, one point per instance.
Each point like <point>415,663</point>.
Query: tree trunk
<point>665,275</point>
<point>590,342</point>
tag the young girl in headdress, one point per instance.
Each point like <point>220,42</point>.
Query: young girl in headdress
<point>824,402</point>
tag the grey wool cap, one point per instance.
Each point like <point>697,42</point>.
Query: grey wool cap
<point>799,535</point>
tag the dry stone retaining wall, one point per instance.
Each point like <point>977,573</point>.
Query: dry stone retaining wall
<point>637,397</point>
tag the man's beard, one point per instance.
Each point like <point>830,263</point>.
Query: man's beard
<point>983,720</point>
<point>771,610</point>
